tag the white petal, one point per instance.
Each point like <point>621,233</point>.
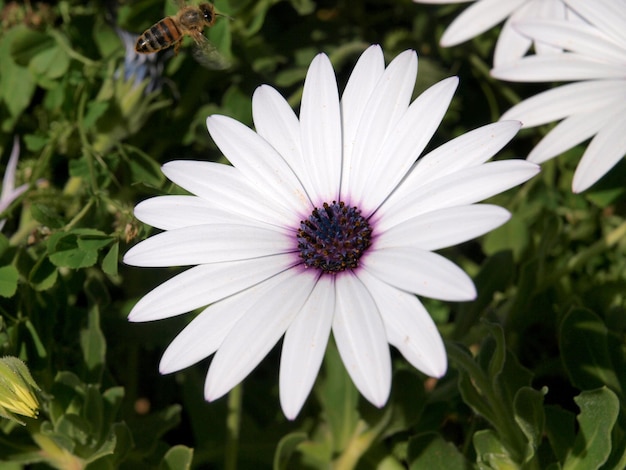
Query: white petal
<point>226,186</point>
<point>557,67</point>
<point>470,149</point>
<point>202,244</point>
<point>259,162</point>
<point>464,187</point>
<point>409,327</point>
<point>421,272</point>
<point>320,125</point>
<point>360,336</point>
<point>206,333</point>
<point>384,109</point>
<point>202,285</point>
<point>304,346</point>
<point>605,150</point>
<point>477,19</point>
<point>583,39</point>
<point>444,228</point>
<point>8,180</point>
<point>573,98</point>
<point>257,331</point>
<point>360,87</point>
<point>277,123</point>
<point>511,45</point>
<point>171,212</point>
<point>442,2</point>
<point>607,15</point>
<point>566,135</point>
<point>405,143</point>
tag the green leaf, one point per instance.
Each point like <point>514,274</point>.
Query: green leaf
<point>286,448</point>
<point>559,427</point>
<point>123,440</point>
<point>145,170</point>
<point>494,276</point>
<point>529,416</point>
<point>584,344</point>
<point>50,64</point>
<point>8,280</point>
<point>28,43</point>
<point>46,215</point>
<point>493,351</point>
<point>339,398</point>
<point>17,85</point>
<point>64,252</point>
<point>77,248</point>
<point>598,413</point>
<point>4,244</point>
<point>110,260</point>
<point>43,275</point>
<point>147,429</point>
<point>93,345</point>
<point>491,453</point>
<point>177,458</point>
<point>431,451</point>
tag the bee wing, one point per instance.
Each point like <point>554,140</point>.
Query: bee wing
<point>207,54</point>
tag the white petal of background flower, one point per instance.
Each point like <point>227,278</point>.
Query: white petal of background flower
<point>257,331</point>
<point>440,229</point>
<point>360,336</point>
<point>304,346</point>
<point>216,182</point>
<point>568,133</point>
<point>419,271</point>
<point>201,244</point>
<point>9,193</point>
<point>573,98</point>
<point>512,45</point>
<point>360,87</point>
<point>477,19</point>
<point>580,38</point>
<point>320,125</point>
<point>606,149</point>
<point>207,283</point>
<point>559,67</point>
<point>608,16</point>
<point>406,142</point>
<point>408,326</point>
<point>384,110</point>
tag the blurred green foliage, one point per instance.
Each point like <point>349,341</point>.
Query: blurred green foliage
<point>537,361</point>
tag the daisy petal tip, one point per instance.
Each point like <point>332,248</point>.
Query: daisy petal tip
<point>290,408</point>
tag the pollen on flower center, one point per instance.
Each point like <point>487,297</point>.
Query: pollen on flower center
<point>333,238</point>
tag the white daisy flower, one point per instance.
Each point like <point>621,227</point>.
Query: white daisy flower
<point>595,106</point>
<point>9,192</point>
<point>485,14</point>
<point>324,223</point>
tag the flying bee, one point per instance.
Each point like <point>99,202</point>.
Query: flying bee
<point>189,21</point>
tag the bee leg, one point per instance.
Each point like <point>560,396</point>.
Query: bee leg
<point>176,47</point>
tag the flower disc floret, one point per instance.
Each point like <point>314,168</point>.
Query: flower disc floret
<point>333,238</point>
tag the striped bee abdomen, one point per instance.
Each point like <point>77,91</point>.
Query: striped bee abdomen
<point>160,36</point>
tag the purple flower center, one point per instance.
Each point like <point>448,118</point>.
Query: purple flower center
<point>333,238</point>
